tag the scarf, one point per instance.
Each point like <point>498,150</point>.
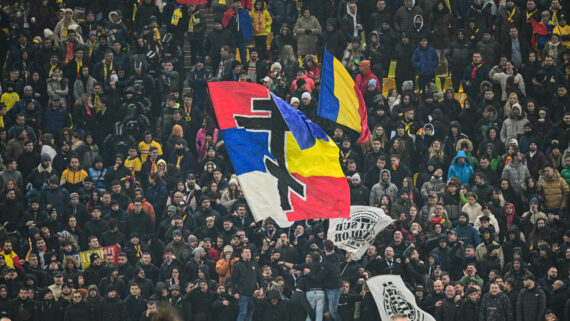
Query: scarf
<point>26,71</point>
<point>345,156</point>
<point>529,14</point>
<point>475,68</point>
<point>91,47</point>
<point>511,15</point>
<point>473,34</point>
<point>79,65</point>
<point>176,15</point>
<point>179,159</point>
<point>192,21</point>
<point>152,165</point>
<point>354,23</point>
<point>68,53</point>
<point>138,249</point>
<point>187,111</point>
<point>258,25</point>
<point>106,70</point>
<point>52,67</point>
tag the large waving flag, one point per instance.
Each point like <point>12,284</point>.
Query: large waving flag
<point>287,166</point>
<point>340,100</point>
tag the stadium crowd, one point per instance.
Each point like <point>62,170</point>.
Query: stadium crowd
<point>107,137</point>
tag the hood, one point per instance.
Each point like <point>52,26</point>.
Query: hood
<point>517,106</point>
<point>455,123</point>
<point>485,83</point>
<point>514,209</point>
<point>461,154</point>
<point>421,24</point>
<point>389,175</point>
<point>115,13</point>
<point>413,4</point>
<point>464,141</point>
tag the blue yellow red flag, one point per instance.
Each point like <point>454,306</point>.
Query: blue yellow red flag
<point>340,100</point>
<point>287,166</point>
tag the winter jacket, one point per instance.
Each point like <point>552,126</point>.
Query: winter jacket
<point>282,11</point>
<point>359,195</point>
<point>383,188</point>
<point>362,79</point>
<point>425,60</point>
<point>531,304</point>
<point>555,190</point>
<point>441,23</point>
<point>516,174</point>
<point>464,172</point>
<point>436,185</point>
<point>495,308</point>
<point>458,54</point>
<point>261,20</point>
<point>307,42</point>
<point>468,234</point>
<point>245,276</point>
<point>501,78</point>
<point>490,50</point>
<point>404,18</point>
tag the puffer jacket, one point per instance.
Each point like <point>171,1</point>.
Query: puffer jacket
<point>495,308</point>
<point>464,172</point>
<point>404,18</point>
<point>436,185</point>
<point>261,20</point>
<point>458,54</point>
<point>383,188</point>
<point>307,43</point>
<point>425,60</point>
<point>513,127</point>
<point>531,304</point>
<point>555,190</point>
<point>516,174</point>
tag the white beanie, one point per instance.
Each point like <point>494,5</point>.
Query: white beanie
<point>306,95</point>
<point>356,177</point>
<point>295,100</point>
<point>47,33</point>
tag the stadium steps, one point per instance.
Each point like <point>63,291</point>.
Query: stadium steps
<point>208,18</point>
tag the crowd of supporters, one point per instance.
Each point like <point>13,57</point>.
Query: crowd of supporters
<point>108,138</point>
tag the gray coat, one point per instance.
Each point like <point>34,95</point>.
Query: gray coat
<point>383,188</point>
<point>531,304</point>
<point>516,174</point>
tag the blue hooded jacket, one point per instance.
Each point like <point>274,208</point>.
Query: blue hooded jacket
<point>464,172</point>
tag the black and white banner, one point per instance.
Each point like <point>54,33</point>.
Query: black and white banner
<point>357,233</point>
<point>394,299</point>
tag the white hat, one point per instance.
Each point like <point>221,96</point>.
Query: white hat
<point>47,33</point>
<point>306,95</point>
<point>356,177</point>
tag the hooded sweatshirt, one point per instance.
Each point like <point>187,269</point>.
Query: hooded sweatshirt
<point>383,188</point>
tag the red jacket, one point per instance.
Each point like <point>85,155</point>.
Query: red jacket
<point>362,80</point>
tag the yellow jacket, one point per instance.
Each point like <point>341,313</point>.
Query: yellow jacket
<point>70,176</point>
<point>261,21</point>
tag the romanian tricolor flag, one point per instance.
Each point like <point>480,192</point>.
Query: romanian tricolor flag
<point>340,100</point>
<point>287,166</point>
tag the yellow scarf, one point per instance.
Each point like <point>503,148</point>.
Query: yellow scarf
<point>510,18</point>
<point>192,21</point>
<point>79,65</point>
<point>529,14</point>
<point>178,161</point>
<point>138,249</point>
<point>52,67</point>
<point>105,70</point>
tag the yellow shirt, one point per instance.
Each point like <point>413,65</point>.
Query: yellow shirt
<point>134,165</point>
<point>144,149</point>
<point>10,99</point>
